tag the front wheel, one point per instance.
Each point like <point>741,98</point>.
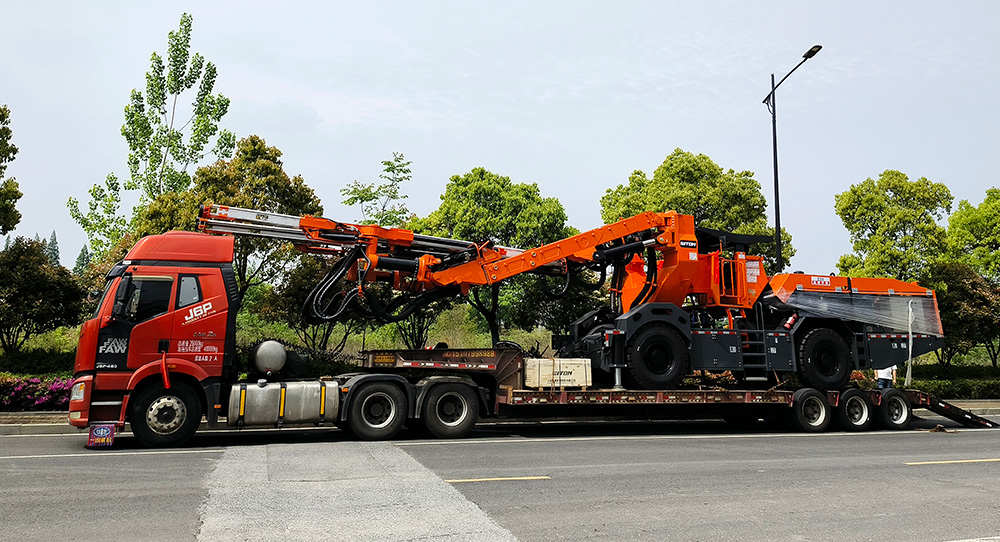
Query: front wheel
<point>657,357</point>
<point>165,417</point>
<point>377,411</point>
<point>451,410</point>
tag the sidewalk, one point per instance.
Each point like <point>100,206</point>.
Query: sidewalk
<point>49,423</point>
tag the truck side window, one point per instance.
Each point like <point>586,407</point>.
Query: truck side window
<point>150,297</point>
<point>188,293</point>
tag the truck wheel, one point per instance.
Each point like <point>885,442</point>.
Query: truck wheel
<point>810,410</point>
<point>657,357</point>
<point>450,411</point>
<point>854,413</point>
<point>824,360</point>
<point>895,411</point>
<point>162,417</point>
<point>377,411</point>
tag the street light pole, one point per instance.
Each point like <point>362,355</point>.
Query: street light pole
<point>769,101</point>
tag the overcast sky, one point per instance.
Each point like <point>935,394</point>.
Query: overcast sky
<point>570,95</point>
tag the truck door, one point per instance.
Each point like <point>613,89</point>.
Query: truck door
<point>199,326</point>
<point>140,322</point>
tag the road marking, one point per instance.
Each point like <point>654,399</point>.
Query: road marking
<point>954,461</point>
<point>108,454</point>
<point>522,440</point>
<point>507,479</point>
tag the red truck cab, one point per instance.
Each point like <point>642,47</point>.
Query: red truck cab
<point>161,338</point>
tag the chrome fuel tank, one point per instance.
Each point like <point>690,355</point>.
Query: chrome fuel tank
<point>277,403</point>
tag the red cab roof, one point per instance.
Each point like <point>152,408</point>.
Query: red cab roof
<point>184,246</point>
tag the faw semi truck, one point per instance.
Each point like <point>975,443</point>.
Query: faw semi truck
<point>159,352</point>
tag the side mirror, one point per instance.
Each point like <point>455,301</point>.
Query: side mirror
<point>122,295</point>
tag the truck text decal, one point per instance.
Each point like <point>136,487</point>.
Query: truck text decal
<point>114,345</point>
<point>198,312</point>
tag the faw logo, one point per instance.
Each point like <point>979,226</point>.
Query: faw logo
<point>197,312</point>
<point>113,346</point>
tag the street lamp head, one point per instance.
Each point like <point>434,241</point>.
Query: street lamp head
<point>812,51</point>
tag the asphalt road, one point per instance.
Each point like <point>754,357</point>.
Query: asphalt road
<point>638,481</point>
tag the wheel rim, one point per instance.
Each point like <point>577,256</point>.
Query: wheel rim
<point>814,411</point>
<point>856,411</point>
<point>166,414</point>
<point>827,360</point>
<point>378,410</point>
<point>452,409</point>
<point>658,358</point>
<point>896,410</point>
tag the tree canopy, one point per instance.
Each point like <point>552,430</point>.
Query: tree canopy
<point>35,296</point>
<point>893,224</point>
<point>482,206</point>
<point>164,140</point>
<point>969,307</point>
<point>695,185</point>
<point>974,235</point>
<point>9,190</point>
<point>382,204</point>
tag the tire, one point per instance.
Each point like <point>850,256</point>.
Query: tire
<point>824,360</point>
<point>810,411</point>
<point>657,357</point>
<point>377,411</point>
<point>855,411</point>
<point>162,417</point>
<point>895,411</point>
<point>450,410</point>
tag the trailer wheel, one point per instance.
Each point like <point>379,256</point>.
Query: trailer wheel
<point>377,411</point>
<point>657,357</point>
<point>895,411</point>
<point>810,410</point>
<point>162,417</point>
<point>854,413</point>
<point>450,411</point>
<point>824,360</point>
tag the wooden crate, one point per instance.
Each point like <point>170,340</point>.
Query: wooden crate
<point>557,373</point>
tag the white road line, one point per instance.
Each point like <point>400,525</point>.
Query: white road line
<point>471,441</point>
<point>97,454</point>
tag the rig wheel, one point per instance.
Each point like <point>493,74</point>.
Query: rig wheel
<point>855,411</point>
<point>657,357</point>
<point>895,411</point>
<point>824,360</point>
<point>377,411</point>
<point>163,417</point>
<point>810,411</point>
<point>451,410</point>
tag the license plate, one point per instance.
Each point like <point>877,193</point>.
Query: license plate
<point>101,436</point>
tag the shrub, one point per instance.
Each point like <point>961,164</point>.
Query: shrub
<point>958,389</point>
<point>36,362</point>
<point>46,392</point>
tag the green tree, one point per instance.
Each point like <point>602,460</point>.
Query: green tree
<point>482,206</point>
<point>695,185</point>
<point>253,179</point>
<point>893,224</point>
<point>52,249</point>
<point>164,139</point>
<point>82,261</point>
<point>382,203</point>
<point>974,235</point>
<point>9,190</point>
<point>35,296</point>
<point>969,307</point>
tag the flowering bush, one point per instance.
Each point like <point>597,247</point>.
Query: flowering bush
<point>34,393</point>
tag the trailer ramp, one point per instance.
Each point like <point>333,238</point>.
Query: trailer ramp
<point>957,414</point>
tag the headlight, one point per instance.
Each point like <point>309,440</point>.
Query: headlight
<point>76,394</point>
